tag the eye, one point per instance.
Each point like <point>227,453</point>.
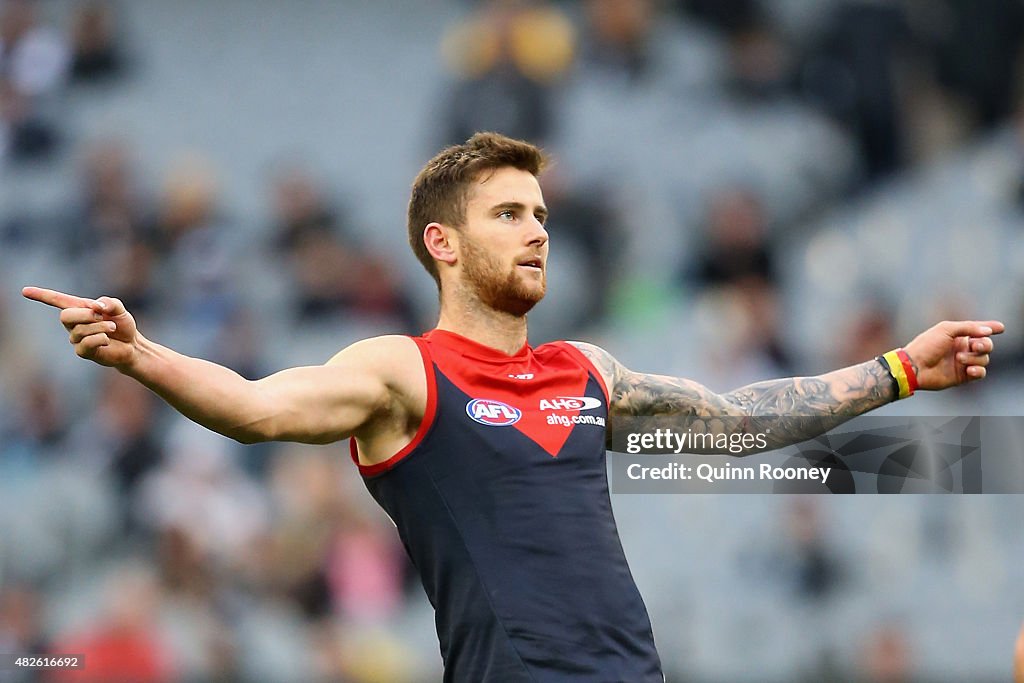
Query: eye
<point>507,213</point>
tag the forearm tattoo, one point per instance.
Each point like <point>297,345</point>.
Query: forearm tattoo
<point>789,410</point>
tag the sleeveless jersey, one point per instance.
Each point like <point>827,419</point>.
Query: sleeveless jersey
<point>501,500</point>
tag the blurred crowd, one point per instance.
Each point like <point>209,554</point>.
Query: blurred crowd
<point>719,165</point>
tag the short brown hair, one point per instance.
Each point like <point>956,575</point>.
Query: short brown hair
<point>441,190</point>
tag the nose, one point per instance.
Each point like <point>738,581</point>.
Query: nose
<point>537,234</point>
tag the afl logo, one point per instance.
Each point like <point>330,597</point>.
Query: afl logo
<point>492,413</point>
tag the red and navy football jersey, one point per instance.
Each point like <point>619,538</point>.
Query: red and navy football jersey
<point>501,500</point>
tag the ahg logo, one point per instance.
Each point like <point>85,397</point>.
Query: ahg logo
<point>570,403</point>
<point>492,413</point>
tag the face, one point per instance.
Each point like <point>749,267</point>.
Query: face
<point>503,246</point>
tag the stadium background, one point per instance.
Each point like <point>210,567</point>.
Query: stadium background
<point>743,189</point>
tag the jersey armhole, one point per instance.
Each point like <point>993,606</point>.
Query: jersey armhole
<point>579,355</point>
<point>429,413</point>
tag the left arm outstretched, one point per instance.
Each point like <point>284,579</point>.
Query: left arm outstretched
<point>948,354</point>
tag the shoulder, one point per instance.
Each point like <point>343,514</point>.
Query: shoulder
<point>383,350</point>
<point>606,365</point>
<point>394,360</point>
<point>595,354</point>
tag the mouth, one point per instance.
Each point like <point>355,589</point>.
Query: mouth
<point>534,263</point>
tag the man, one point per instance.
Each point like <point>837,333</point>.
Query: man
<point>501,503</point>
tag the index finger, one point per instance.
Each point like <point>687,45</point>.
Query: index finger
<point>974,328</point>
<point>52,297</point>
<point>997,326</point>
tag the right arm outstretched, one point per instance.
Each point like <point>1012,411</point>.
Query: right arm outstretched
<point>317,404</point>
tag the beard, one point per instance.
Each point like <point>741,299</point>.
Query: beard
<point>502,288</point>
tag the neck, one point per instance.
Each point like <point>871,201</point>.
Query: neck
<point>472,319</point>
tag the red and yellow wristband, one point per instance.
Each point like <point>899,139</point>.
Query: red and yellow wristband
<point>901,368</point>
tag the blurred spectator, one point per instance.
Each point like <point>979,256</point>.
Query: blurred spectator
<point>816,571</point>
<point>326,645</point>
<point>738,330</point>
<point>886,657</point>
<point>198,256</point>
<point>759,297</point>
<point>620,33</point>
<point>332,274</point>
<point>97,54</point>
<point>110,230</point>
<point>586,217</point>
<point>736,272</point>
<point>323,552</point>
<point>197,608</point>
<point>291,558</point>
<point>200,490</point>
<point>869,333</point>
<point>366,567</point>
<point>630,43</point>
<point>41,423</point>
<point>852,75</point>
<point>977,48</point>
<point>736,246</point>
<point>507,58</point>
<point>761,66</point>
<point>120,435</point>
<point>368,655</point>
<point>238,348</point>
<point>185,570</point>
<point>760,63</point>
<point>301,208</point>
<point>33,64</point>
<point>20,620</point>
<point>727,16</point>
<point>125,643</point>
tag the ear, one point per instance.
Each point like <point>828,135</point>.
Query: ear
<point>441,241</point>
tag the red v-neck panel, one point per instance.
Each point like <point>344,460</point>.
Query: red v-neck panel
<point>520,385</point>
<point>474,349</point>
<point>527,382</point>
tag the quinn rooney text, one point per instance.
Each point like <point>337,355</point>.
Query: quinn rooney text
<point>712,473</point>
